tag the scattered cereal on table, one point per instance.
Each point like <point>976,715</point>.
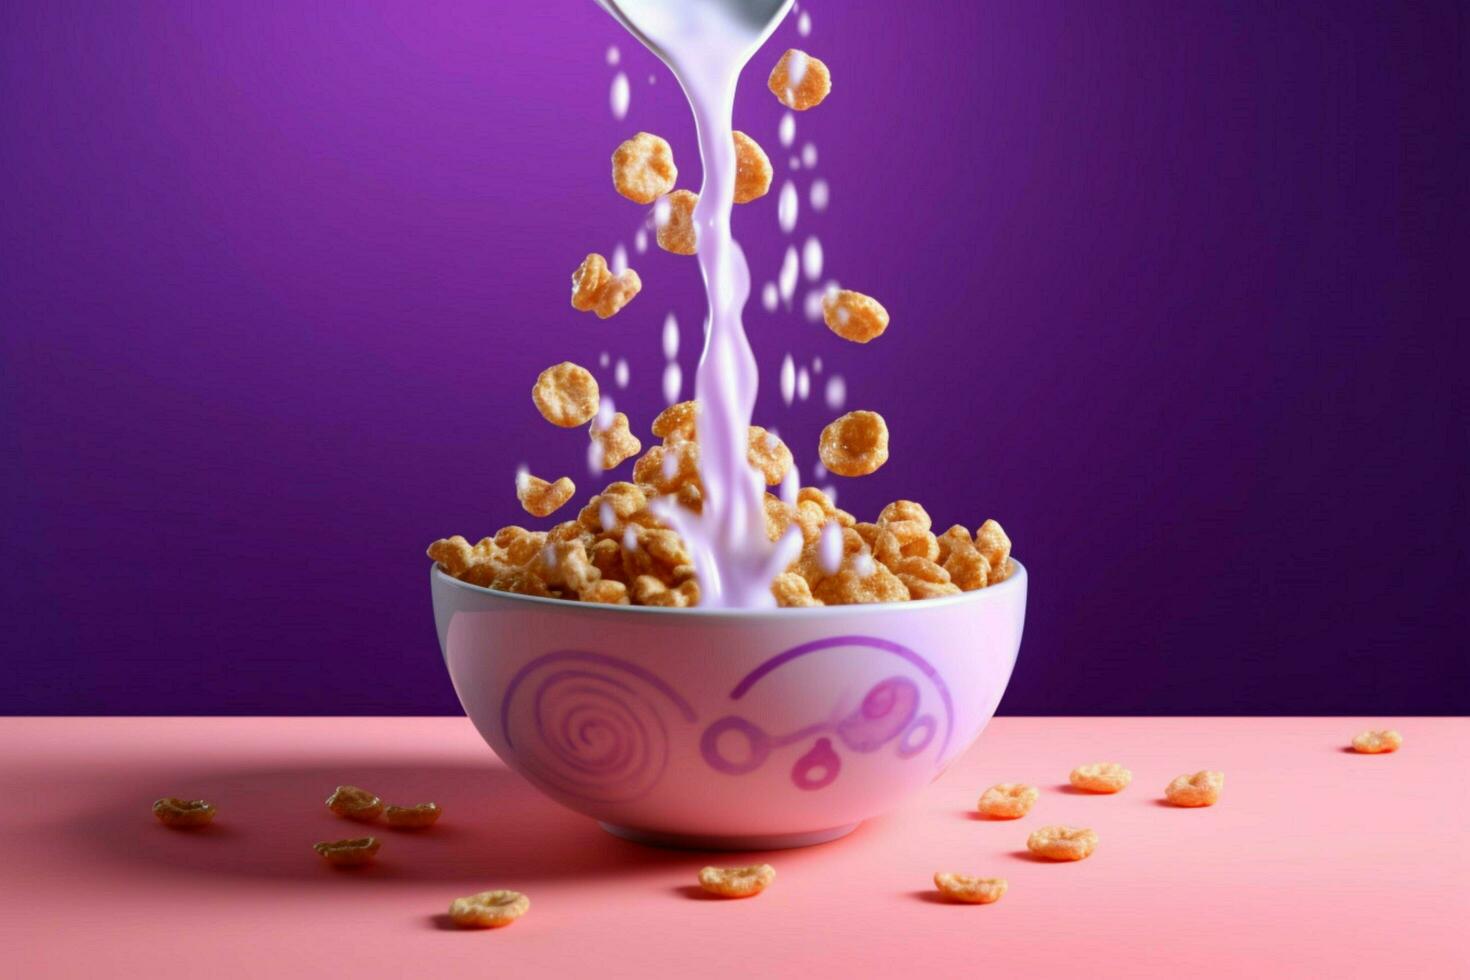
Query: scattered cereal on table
<point>1101,777</point>
<point>970,889</point>
<point>676,232</point>
<point>1201,789</point>
<point>1059,843</point>
<point>348,853</point>
<point>855,444</point>
<point>853,316</point>
<point>643,168</point>
<point>172,811</point>
<point>1374,742</point>
<point>752,170</point>
<point>541,499</point>
<point>488,910</point>
<point>355,804</point>
<point>412,817</point>
<point>566,395</point>
<point>736,882</point>
<point>799,80</point>
<point>616,441</point>
<point>1008,801</point>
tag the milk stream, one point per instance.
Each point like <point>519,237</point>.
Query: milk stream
<point>706,43</point>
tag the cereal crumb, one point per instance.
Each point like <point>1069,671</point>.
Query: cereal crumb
<point>172,811</point>
<point>488,910</point>
<point>800,81</point>
<point>676,232</point>
<point>1101,777</point>
<point>853,316</point>
<point>855,444</point>
<point>355,804</point>
<point>617,441</point>
<point>541,499</point>
<point>412,817</point>
<point>566,395</point>
<point>1201,789</point>
<point>1008,801</point>
<point>643,168</point>
<point>1374,742</point>
<point>736,882</point>
<point>348,853</point>
<point>752,170</point>
<point>967,888</point>
<point>1059,843</point>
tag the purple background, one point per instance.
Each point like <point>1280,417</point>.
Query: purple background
<point>1173,289</point>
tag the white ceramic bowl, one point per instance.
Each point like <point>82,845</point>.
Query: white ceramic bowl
<point>712,728</point>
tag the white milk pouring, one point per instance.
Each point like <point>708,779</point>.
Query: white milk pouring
<point>706,44</point>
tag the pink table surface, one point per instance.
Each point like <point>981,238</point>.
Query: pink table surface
<point>1317,862</point>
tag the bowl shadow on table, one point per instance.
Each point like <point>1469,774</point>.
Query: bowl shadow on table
<point>496,828</point>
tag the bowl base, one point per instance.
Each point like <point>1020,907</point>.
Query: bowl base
<point>751,842</point>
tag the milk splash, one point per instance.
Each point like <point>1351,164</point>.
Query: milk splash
<point>706,43</point>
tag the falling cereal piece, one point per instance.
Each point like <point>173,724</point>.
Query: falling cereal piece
<point>676,232</point>
<point>1101,777</point>
<point>566,395</point>
<point>969,889</point>
<point>540,498</point>
<point>854,316</point>
<point>752,170</point>
<point>856,444</point>
<point>800,81</point>
<point>736,882</point>
<point>596,290</point>
<point>1375,742</point>
<point>1201,789</point>
<point>643,168</point>
<point>488,910</point>
<point>348,853</point>
<point>181,814</point>
<point>1059,843</point>
<point>617,441</point>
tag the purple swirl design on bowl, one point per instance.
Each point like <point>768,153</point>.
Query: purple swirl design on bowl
<point>595,728</point>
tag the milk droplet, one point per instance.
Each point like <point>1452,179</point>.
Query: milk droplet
<point>819,472</point>
<point>786,208</point>
<point>787,130</point>
<point>809,154</point>
<point>816,365</point>
<point>607,516</point>
<point>613,54</point>
<point>548,556</point>
<point>603,360</point>
<point>790,486</point>
<point>661,210</point>
<point>790,269</point>
<point>811,258</point>
<point>794,163</point>
<point>770,298</point>
<point>829,551</point>
<point>803,384</point>
<point>671,337</point>
<point>523,476</point>
<point>796,70</point>
<point>673,382</point>
<point>594,457</point>
<point>619,262</point>
<point>788,379</point>
<point>831,492</point>
<point>640,241</point>
<point>670,464</point>
<point>619,97</point>
<point>804,24</point>
<point>630,538</point>
<point>864,565</point>
<point>605,412</point>
<point>620,373</point>
<point>836,392</point>
<point>820,195</point>
<point>652,80</point>
<point>812,306</point>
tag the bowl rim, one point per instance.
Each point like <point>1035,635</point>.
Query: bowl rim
<point>1016,580</point>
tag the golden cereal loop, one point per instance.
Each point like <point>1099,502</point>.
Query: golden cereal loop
<point>566,395</point>
<point>1101,777</point>
<point>736,882</point>
<point>970,889</point>
<point>488,910</point>
<point>992,542</point>
<point>1201,789</point>
<point>180,814</point>
<point>792,591</point>
<point>541,499</point>
<point>752,170</point>
<point>616,442</point>
<point>855,444</point>
<point>767,455</point>
<point>412,817</point>
<point>677,422</point>
<point>1008,801</point>
<point>1374,742</point>
<point>853,316</point>
<point>800,81</point>
<point>1059,843</point>
<point>851,586</point>
<point>354,803</point>
<point>588,281</point>
<point>674,218</point>
<point>348,853</point>
<point>643,168</point>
